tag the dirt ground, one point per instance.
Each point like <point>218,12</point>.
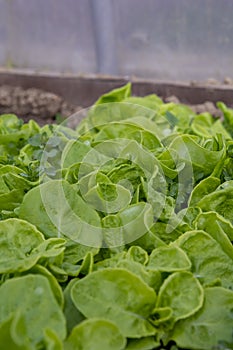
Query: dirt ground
<point>46,107</point>
<point>42,106</point>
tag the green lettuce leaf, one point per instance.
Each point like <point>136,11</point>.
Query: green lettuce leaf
<point>119,296</point>
<point>33,297</point>
<point>95,334</point>
<point>210,325</point>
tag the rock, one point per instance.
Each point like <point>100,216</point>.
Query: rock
<point>228,81</point>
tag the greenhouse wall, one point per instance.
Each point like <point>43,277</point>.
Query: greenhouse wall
<point>162,39</point>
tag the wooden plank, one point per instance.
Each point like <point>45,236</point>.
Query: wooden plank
<point>84,90</point>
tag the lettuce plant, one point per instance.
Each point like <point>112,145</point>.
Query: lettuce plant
<point>117,234</point>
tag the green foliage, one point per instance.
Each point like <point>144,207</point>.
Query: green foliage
<point>117,235</point>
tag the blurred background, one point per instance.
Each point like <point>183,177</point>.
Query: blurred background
<point>158,39</point>
<point>57,56</point>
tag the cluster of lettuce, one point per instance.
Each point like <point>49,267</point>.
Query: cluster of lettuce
<point>117,235</point>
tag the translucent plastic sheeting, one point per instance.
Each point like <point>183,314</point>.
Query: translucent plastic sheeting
<point>170,39</point>
<point>162,39</point>
<point>48,34</point>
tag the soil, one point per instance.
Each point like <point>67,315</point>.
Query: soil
<point>46,107</point>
